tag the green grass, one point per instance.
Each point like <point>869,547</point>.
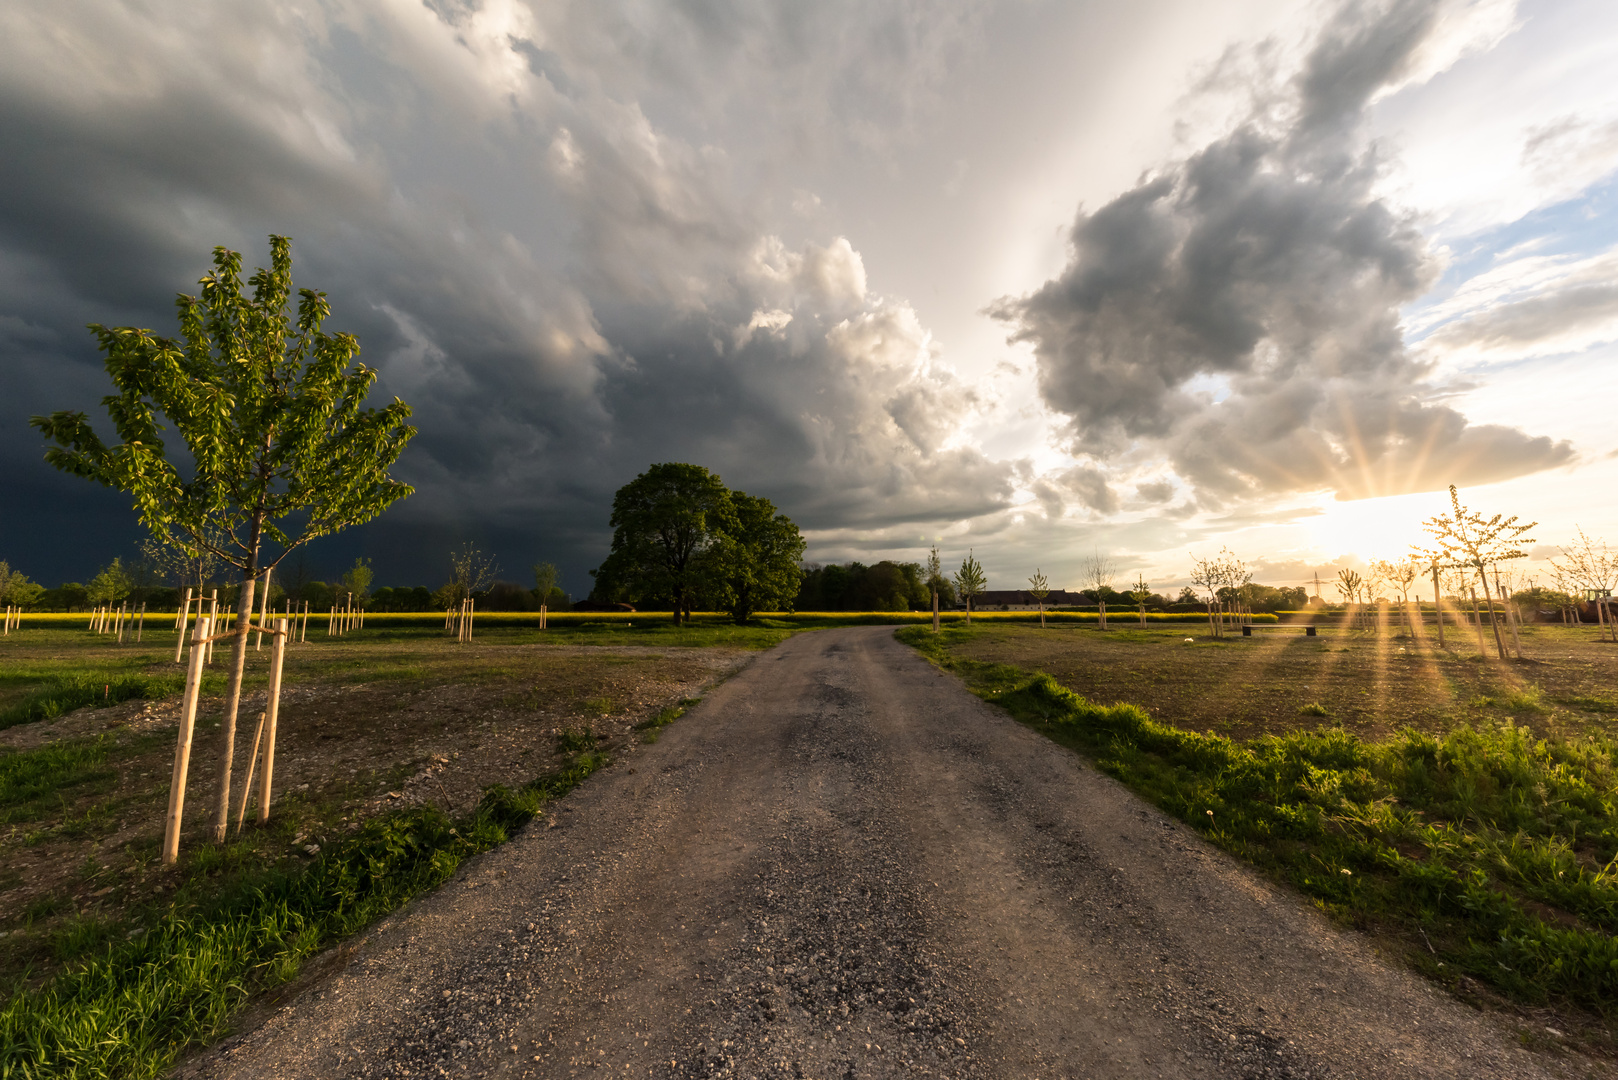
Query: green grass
<point>1498,847</point>
<point>34,782</point>
<point>137,996</point>
<point>62,694</point>
<point>651,726</point>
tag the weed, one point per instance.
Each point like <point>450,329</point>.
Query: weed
<point>1314,708</point>
<point>597,706</point>
<point>1528,699</point>
<point>652,725</point>
<point>1588,702</point>
<point>571,740</point>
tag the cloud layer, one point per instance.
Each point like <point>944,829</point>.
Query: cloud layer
<point>1238,312</point>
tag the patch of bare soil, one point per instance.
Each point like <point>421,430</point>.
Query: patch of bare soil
<point>346,751</point>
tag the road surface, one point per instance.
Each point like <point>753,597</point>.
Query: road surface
<point>843,865</point>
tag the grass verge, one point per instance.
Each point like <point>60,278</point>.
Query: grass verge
<point>62,694</point>
<point>1490,854</point>
<point>141,997</point>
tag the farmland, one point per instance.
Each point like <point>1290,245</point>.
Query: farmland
<point>1458,809</point>
<point>383,719</point>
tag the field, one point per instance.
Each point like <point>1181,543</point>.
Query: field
<point>1461,810</point>
<point>389,732</point>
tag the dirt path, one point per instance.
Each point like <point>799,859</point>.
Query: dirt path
<point>843,865</point>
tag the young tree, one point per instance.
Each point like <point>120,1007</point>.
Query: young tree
<point>1097,572</point>
<point>664,521</point>
<point>935,581</point>
<point>1141,593</point>
<point>1590,568</point>
<point>970,582</point>
<point>1208,574</point>
<point>270,409</point>
<point>1039,589</point>
<point>110,585</point>
<point>470,571</point>
<point>1472,540</point>
<point>545,578</point>
<point>757,558</point>
<point>357,580</point>
<point>1400,576</point>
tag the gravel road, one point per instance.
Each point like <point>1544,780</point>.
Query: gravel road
<point>844,865</point>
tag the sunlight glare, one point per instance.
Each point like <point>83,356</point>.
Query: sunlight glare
<point>1384,528</point>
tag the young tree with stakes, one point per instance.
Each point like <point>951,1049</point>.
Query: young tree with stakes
<point>1098,571</point>
<point>270,409</point>
<point>1039,589</point>
<point>935,581</point>
<point>1590,567</point>
<point>970,582</point>
<point>1469,539</point>
<point>1141,593</point>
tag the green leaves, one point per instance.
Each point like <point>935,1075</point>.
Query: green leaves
<point>268,405</point>
<point>758,558</point>
<point>664,521</point>
<point>970,580</point>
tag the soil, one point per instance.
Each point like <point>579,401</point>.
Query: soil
<point>1372,684</point>
<point>843,864</point>
<point>346,751</point>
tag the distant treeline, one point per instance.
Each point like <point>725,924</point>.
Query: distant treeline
<point>899,586</point>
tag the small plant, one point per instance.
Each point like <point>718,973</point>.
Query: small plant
<point>1527,699</point>
<point>574,740</point>
<point>1314,708</point>
<point>597,706</point>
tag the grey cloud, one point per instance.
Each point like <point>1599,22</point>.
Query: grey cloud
<point>545,225</point>
<point>1560,314</point>
<point>1266,260</point>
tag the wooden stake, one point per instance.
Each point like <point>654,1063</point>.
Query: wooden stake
<point>140,627</point>
<point>1438,607</point>
<point>263,615</point>
<point>182,623</point>
<point>185,609</point>
<point>935,611</point>
<point>272,712</point>
<point>252,763</point>
<point>182,752</point>
<point>213,620</point>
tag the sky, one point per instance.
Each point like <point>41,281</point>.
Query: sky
<point>1037,279</point>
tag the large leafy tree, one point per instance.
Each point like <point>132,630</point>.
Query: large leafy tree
<point>758,559</point>
<point>270,409</point>
<point>665,523</point>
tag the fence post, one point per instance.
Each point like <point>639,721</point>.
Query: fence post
<point>182,752</point>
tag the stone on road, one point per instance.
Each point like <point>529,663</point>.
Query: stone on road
<point>842,864</point>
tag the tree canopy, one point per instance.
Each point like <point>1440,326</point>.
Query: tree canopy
<point>664,522</point>
<point>758,557</point>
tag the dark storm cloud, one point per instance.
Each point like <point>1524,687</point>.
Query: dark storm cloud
<point>565,284</point>
<point>1264,266</point>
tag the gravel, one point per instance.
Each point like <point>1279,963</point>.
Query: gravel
<point>844,865</point>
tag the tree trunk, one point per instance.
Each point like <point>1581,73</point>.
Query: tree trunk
<point>969,610</point>
<point>233,700</point>
<point>935,611</point>
<point>1494,623</point>
<point>1103,610</point>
